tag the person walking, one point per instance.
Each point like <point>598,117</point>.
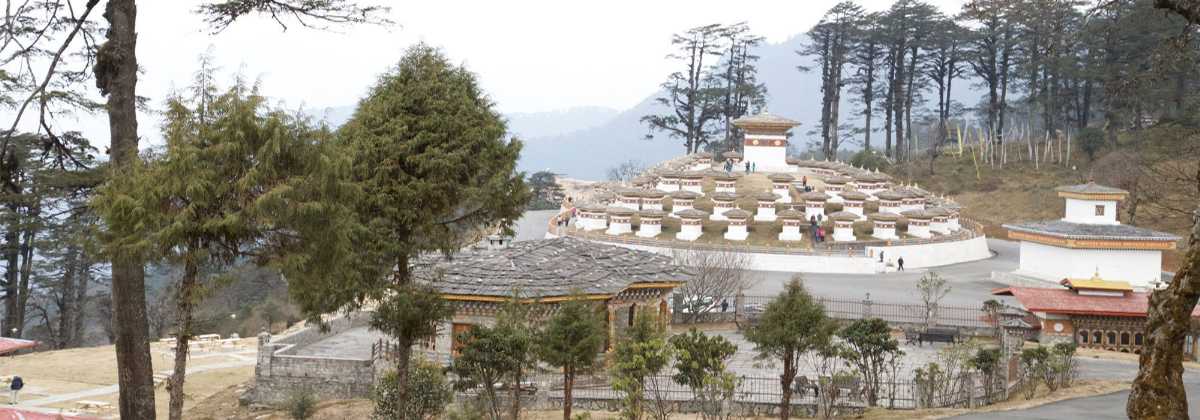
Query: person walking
<point>900,264</point>
<point>15,387</point>
<point>804,181</point>
<point>753,166</point>
<point>821,234</point>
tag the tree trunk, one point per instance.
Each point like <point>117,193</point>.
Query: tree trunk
<point>70,307</point>
<point>116,76</point>
<point>183,333</point>
<point>12,240</point>
<point>568,388</point>
<point>515,391</point>
<point>1158,391</point>
<point>785,381</point>
<point>26,267</point>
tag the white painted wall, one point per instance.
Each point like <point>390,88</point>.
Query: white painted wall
<point>936,254</point>
<point>915,256</point>
<point>767,158</point>
<point>1084,211</point>
<point>1138,267</point>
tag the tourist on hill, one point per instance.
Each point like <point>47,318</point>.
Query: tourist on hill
<point>820,234</point>
<point>747,167</point>
<point>15,387</point>
<point>804,182</point>
<point>900,264</point>
<point>753,166</point>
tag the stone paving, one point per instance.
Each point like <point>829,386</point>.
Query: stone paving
<point>354,343</point>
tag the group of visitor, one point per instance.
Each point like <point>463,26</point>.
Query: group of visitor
<point>750,166</point>
<point>815,229</point>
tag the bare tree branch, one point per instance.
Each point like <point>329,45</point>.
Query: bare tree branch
<point>308,13</point>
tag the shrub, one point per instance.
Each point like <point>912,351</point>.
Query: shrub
<point>428,393</point>
<point>301,404</point>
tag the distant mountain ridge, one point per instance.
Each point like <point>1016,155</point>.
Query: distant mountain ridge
<point>584,142</point>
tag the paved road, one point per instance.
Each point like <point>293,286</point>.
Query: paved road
<point>1102,407</point>
<point>970,282</point>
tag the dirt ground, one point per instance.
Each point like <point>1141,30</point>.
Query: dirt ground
<point>55,373</point>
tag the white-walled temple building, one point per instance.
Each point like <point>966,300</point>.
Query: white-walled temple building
<point>766,141</point>
<point>1090,239</point>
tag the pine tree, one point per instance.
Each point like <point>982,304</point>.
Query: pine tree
<point>831,43</point>
<point>793,324</point>
<point>428,154</point>
<point>691,96</point>
<point>571,340</point>
<point>196,204</point>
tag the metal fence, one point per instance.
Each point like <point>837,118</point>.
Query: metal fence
<point>963,391</point>
<point>748,308</point>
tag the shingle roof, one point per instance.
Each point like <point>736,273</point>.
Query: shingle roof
<point>873,177</point>
<point>884,217</point>
<point>731,155</point>
<point>652,214</point>
<point>766,196</point>
<point>814,196</point>
<point>723,196</point>
<point>916,214</point>
<point>838,180</point>
<point>764,118</point>
<point>790,214</point>
<point>853,195</point>
<point>691,214</point>
<point>684,194</point>
<point>1061,301</point>
<point>619,211</point>
<point>844,216</point>
<point>890,195</point>
<point>737,213</point>
<point>1090,188</point>
<point>653,194</point>
<point>780,177</point>
<point>1065,229</point>
<point>550,267</point>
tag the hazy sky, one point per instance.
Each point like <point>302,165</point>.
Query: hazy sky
<point>529,55</point>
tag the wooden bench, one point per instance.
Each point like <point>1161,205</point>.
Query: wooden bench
<point>943,335</point>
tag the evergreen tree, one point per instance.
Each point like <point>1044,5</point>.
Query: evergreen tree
<point>571,340</point>
<point>742,93</point>
<point>700,364</point>
<point>691,96</point>
<point>640,354</point>
<point>196,204</point>
<point>867,56</point>
<point>868,347</point>
<point>428,154</point>
<point>831,42</point>
<point>793,324</point>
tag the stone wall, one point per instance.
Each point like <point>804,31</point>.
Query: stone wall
<point>280,372</point>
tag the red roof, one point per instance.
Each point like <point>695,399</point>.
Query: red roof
<point>17,414</point>
<point>9,345</point>
<point>1062,301</point>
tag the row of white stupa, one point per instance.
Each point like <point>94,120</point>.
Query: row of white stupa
<point>617,219</point>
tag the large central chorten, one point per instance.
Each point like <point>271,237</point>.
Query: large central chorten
<point>766,141</point>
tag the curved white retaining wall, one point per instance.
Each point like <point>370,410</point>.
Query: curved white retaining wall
<point>915,256</point>
<point>935,254</point>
